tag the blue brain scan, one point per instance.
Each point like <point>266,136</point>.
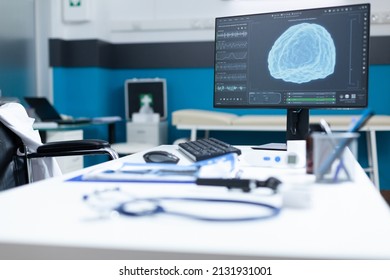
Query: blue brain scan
<point>304,52</point>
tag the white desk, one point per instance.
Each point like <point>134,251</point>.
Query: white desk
<point>45,127</point>
<point>49,220</point>
<point>198,120</point>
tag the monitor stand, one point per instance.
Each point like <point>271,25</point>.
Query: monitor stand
<point>297,128</point>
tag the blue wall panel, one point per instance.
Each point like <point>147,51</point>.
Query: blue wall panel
<point>93,92</point>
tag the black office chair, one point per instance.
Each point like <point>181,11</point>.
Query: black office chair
<point>15,168</point>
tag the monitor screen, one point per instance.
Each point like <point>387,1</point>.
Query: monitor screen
<point>297,60</point>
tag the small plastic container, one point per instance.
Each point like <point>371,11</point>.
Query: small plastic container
<point>334,156</point>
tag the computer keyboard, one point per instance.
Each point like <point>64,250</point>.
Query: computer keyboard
<point>206,148</point>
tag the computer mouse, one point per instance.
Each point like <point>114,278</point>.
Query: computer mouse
<point>160,157</point>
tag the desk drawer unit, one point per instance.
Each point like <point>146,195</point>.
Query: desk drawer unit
<point>152,133</point>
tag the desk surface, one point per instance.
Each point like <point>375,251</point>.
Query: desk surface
<point>46,126</point>
<point>109,121</point>
<point>49,220</point>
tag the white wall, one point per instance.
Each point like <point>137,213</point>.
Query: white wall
<point>179,20</point>
<point>17,49</point>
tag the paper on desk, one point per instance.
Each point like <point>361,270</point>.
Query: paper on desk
<point>218,167</point>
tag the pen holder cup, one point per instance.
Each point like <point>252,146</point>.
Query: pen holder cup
<point>334,156</point>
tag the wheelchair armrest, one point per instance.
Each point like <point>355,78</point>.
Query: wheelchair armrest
<point>74,147</point>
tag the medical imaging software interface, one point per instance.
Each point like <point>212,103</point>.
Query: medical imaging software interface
<point>306,59</point>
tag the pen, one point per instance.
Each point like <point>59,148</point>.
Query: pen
<point>367,114</point>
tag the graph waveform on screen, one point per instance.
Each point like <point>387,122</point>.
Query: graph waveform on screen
<point>233,34</point>
<point>231,45</point>
<point>221,66</point>
<point>231,77</point>
<point>230,88</point>
<point>231,55</point>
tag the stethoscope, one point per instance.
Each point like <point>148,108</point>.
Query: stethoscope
<point>141,207</point>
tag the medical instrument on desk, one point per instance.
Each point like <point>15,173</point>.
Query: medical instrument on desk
<point>141,207</point>
<point>367,114</point>
<point>246,185</point>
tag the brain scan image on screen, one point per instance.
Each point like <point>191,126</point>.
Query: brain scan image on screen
<point>303,53</point>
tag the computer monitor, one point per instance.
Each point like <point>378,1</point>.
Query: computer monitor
<point>295,60</point>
